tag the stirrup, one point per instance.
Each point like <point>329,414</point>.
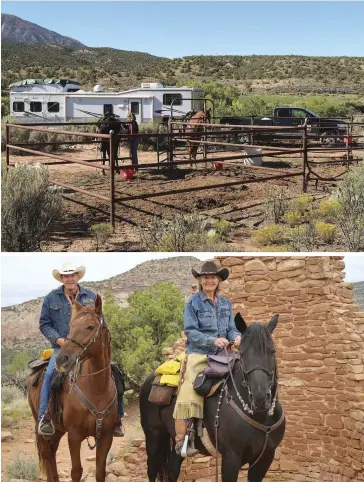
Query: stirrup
<point>184,450</point>
<point>49,423</point>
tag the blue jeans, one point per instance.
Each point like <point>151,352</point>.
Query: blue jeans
<point>46,388</point>
<point>121,405</point>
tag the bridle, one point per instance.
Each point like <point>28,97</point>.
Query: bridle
<point>272,374</point>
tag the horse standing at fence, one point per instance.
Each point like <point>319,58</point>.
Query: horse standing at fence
<point>87,405</point>
<point>252,387</point>
<point>111,122</point>
<point>193,126</point>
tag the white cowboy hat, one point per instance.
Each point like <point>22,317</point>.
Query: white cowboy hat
<point>68,268</point>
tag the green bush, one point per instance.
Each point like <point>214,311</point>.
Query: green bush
<point>183,234</point>
<point>102,232</point>
<point>326,231</point>
<point>273,234</point>
<point>5,106</point>
<point>303,237</point>
<point>23,468</point>
<point>14,412</point>
<point>10,393</point>
<point>301,203</point>
<point>29,207</point>
<point>293,218</point>
<point>329,210</point>
<point>276,204</point>
<point>278,248</point>
<point>350,196</point>
<point>154,317</point>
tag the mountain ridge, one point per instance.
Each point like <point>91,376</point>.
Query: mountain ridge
<point>16,29</point>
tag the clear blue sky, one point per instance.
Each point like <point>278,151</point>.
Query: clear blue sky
<point>177,29</point>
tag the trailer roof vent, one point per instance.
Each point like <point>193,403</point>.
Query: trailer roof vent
<point>99,88</point>
<point>152,85</point>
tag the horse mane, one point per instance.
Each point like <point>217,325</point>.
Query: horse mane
<point>258,337</point>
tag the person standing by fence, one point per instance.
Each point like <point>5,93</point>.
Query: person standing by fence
<point>134,141</point>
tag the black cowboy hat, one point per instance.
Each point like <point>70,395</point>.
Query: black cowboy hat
<point>210,268</point>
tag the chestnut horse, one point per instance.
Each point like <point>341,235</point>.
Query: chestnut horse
<point>88,401</point>
<point>194,125</point>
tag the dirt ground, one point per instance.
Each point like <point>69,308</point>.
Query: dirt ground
<point>23,444</point>
<point>242,205</point>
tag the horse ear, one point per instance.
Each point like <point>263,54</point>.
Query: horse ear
<point>272,323</point>
<point>240,323</point>
<point>98,305</point>
<point>75,304</point>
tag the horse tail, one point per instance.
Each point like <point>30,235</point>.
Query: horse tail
<point>157,439</point>
<point>42,463</point>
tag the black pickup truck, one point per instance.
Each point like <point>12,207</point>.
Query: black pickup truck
<point>326,131</point>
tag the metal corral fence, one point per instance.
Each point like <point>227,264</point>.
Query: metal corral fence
<point>169,142</point>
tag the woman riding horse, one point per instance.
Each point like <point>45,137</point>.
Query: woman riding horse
<point>244,419</point>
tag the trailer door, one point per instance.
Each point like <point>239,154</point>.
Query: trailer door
<point>135,106</point>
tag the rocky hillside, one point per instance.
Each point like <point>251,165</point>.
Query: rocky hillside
<point>19,323</point>
<point>17,30</point>
<point>53,55</point>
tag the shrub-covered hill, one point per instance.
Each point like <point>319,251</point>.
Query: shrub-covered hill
<point>122,69</point>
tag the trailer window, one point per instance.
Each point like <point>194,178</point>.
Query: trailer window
<point>35,107</point>
<point>134,107</point>
<point>18,106</point>
<point>53,106</point>
<point>108,109</point>
<point>169,98</point>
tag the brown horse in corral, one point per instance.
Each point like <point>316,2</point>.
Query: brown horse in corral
<point>194,125</point>
<point>88,402</point>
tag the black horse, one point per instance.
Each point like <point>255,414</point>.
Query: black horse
<point>248,406</point>
<point>111,122</point>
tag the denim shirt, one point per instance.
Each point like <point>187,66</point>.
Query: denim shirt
<point>204,322</point>
<point>56,312</point>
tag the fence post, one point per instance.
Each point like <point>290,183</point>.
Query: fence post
<point>112,182</point>
<point>7,140</point>
<point>305,156</point>
<point>170,140</point>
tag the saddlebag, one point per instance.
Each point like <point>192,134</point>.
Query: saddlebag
<point>161,394</point>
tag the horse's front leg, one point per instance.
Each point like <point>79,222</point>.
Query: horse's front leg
<point>74,443</point>
<point>230,466</point>
<point>103,160</point>
<point>102,450</point>
<point>257,473</point>
<point>54,443</point>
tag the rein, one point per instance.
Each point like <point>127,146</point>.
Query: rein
<point>75,373</point>
<point>267,430</point>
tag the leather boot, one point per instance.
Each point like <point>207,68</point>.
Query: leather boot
<point>181,427</point>
<point>119,429</point>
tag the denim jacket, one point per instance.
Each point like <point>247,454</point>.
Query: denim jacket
<point>56,312</point>
<point>204,322</point>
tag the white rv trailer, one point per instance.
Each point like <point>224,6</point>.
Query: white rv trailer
<point>61,100</point>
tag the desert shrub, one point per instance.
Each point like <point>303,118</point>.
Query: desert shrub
<point>276,204</point>
<point>273,234</point>
<point>293,218</point>
<point>327,232</point>
<point>102,232</point>
<point>29,207</point>
<point>329,210</point>
<point>183,233</point>
<point>350,196</point>
<point>303,238</point>
<point>301,203</point>
<point>5,106</point>
<point>23,468</point>
<point>14,412</point>
<point>10,393</point>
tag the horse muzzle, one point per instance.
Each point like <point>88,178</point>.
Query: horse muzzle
<point>64,362</point>
<point>260,404</point>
